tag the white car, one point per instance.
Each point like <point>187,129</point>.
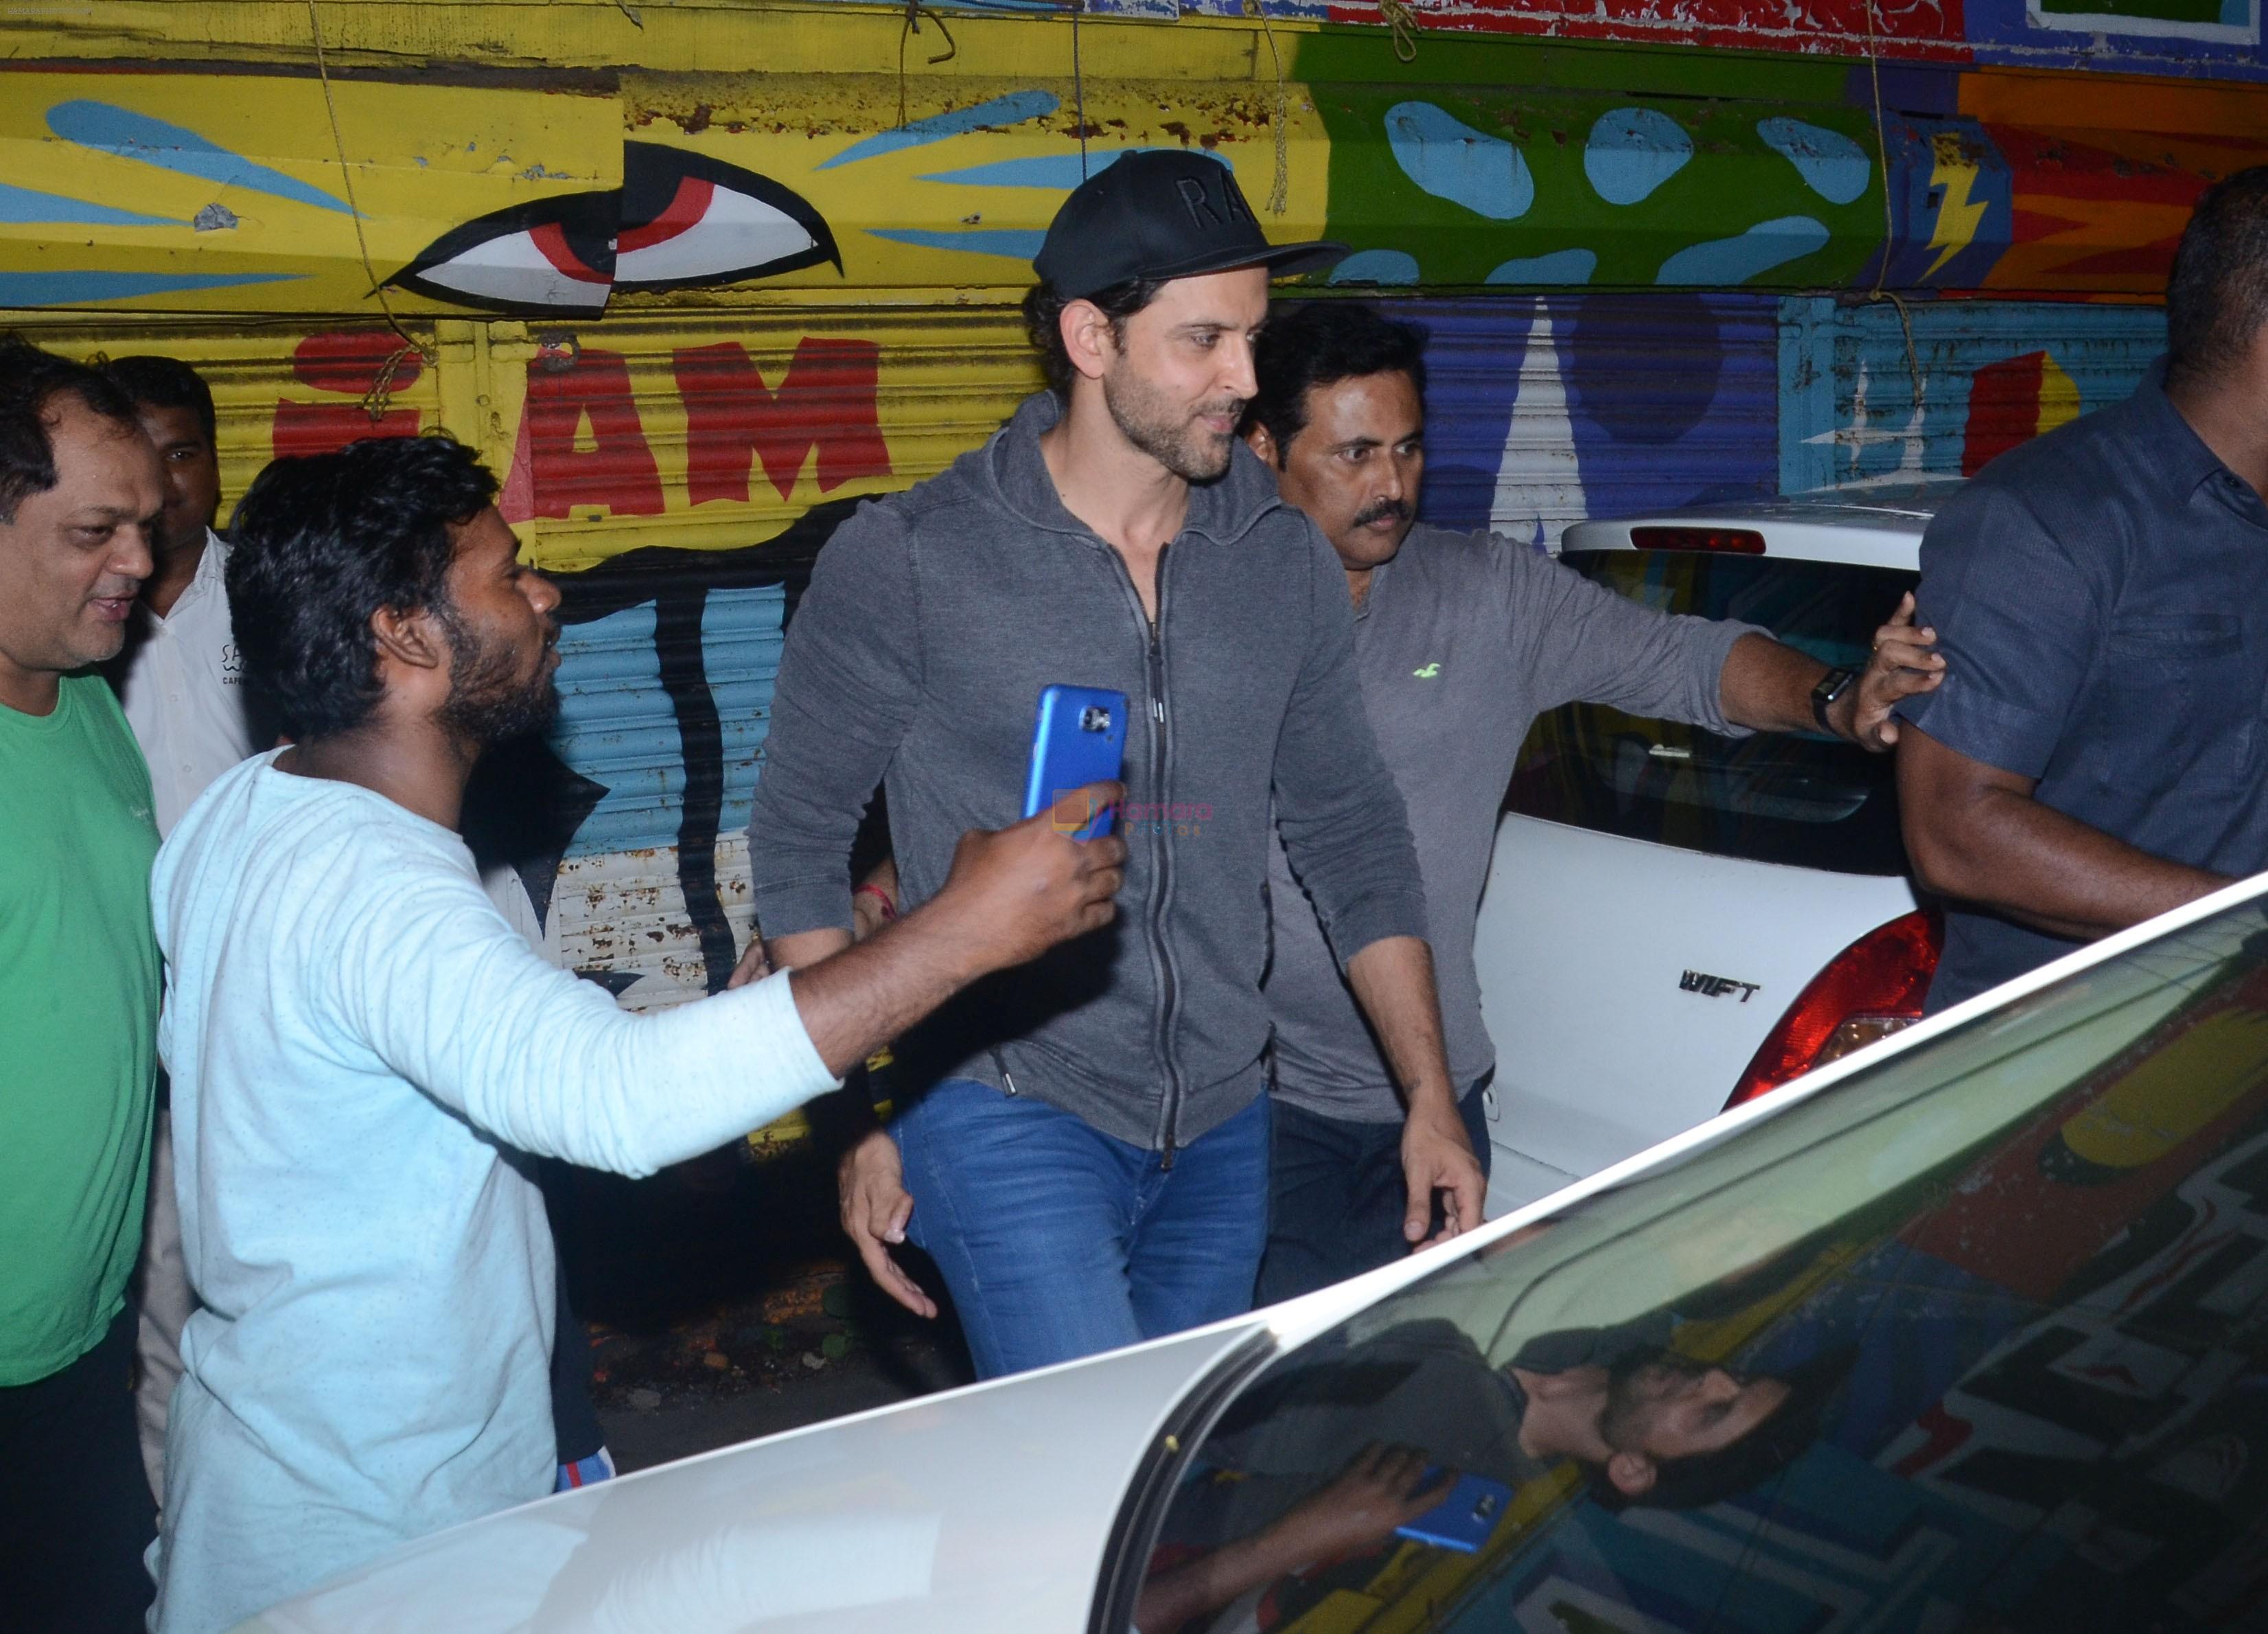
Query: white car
<point>1980,1306</point>
<point>1667,911</point>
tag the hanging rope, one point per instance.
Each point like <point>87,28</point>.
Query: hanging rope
<point>1881,292</point>
<point>915,11</point>
<point>1402,23</point>
<point>381,388</point>
<point>1279,192</point>
<point>1078,85</point>
<point>379,397</point>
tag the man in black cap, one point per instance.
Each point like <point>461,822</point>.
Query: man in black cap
<point>1086,1147</point>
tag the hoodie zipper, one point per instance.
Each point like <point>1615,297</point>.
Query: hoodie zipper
<point>1161,959</point>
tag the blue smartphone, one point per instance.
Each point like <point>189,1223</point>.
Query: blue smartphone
<point>1463,1520</point>
<point>1079,737</point>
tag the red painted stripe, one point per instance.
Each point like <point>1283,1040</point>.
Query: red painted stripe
<point>551,240</point>
<point>687,207</point>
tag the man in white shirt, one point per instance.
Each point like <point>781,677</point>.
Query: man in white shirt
<point>179,678</point>
<point>182,689</point>
<point>361,1046</point>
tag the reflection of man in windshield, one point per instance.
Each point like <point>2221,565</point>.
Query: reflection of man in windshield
<point>1665,1408</point>
<point>1681,1434</point>
<point>1648,1424</point>
<point>1623,1403</point>
<point>1617,1400</point>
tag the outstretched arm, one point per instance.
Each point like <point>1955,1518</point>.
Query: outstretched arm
<point>549,1064</point>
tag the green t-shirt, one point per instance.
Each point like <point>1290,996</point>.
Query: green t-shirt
<point>78,1010</point>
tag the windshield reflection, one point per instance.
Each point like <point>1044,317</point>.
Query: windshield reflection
<point>1975,1339</point>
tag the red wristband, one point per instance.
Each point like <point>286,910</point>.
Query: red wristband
<point>889,908</point>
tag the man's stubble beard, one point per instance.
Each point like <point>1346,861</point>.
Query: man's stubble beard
<point>488,704</point>
<point>1164,432</point>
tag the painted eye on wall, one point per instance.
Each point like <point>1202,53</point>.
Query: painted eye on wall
<point>689,220</point>
<point>679,219</point>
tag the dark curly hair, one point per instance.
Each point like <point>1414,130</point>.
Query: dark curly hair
<point>1765,1452</point>
<point>165,383</point>
<point>30,380</point>
<point>321,542</point>
<point>1312,343</point>
<point>1043,308</point>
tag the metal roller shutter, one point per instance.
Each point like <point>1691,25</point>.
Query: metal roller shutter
<point>279,388</point>
<point>1542,411</point>
<point>1993,374</point>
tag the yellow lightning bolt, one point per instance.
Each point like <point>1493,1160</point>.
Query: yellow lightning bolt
<point>1957,219</point>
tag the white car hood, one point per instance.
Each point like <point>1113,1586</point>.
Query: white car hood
<point>980,1510</point>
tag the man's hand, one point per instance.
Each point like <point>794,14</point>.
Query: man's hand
<point>1013,894</point>
<point>870,1185</point>
<point>753,967</point>
<point>1016,892</point>
<point>1904,664</point>
<point>1437,1156</point>
<point>1375,1493</point>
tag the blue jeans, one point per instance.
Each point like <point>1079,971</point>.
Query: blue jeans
<point>1058,1240</point>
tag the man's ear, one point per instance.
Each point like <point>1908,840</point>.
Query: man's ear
<point>413,639</point>
<point>1258,440</point>
<point>1086,337</point>
<point>1632,1472</point>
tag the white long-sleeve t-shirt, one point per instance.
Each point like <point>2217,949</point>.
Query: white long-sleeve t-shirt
<point>360,1045</point>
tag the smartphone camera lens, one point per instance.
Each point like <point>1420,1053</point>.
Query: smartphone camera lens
<point>1095,718</point>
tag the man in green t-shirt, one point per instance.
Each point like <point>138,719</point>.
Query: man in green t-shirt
<point>80,489</point>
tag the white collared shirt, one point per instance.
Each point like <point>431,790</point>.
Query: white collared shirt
<point>184,691</point>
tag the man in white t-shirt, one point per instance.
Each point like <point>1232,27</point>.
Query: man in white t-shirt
<point>361,1047</point>
<point>182,686</point>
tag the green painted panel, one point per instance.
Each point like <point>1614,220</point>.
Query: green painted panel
<point>1447,186</point>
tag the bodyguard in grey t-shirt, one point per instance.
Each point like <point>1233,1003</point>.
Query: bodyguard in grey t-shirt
<point>1461,641</point>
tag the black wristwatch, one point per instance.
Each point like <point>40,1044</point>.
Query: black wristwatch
<point>1831,686</point>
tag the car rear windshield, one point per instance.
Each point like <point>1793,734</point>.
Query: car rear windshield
<point>1810,801</point>
<point>1976,1337</point>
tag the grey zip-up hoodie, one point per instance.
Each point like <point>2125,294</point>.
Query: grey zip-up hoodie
<point>933,620</point>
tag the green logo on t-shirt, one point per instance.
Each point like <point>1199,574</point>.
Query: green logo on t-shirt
<point>1428,672</point>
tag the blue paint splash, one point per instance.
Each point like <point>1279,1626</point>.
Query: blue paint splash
<point>1559,266</point>
<point>77,289</point>
<point>111,130</point>
<point>1056,171</point>
<point>1012,109</point>
<point>1018,242</point>
<point>1767,245</point>
<point>1376,267</point>
<point>1451,160</point>
<point>617,728</point>
<point>27,204</point>
<point>740,655</point>
<point>1831,164</point>
<point>1632,150</point>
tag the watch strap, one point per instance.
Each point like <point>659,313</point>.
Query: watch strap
<point>1829,687</point>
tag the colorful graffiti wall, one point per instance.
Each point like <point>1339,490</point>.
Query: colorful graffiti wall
<point>698,281</point>
<point>1486,162</point>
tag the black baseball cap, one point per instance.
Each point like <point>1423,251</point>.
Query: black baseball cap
<point>1161,213</point>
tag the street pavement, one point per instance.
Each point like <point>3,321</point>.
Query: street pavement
<point>723,1303</point>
